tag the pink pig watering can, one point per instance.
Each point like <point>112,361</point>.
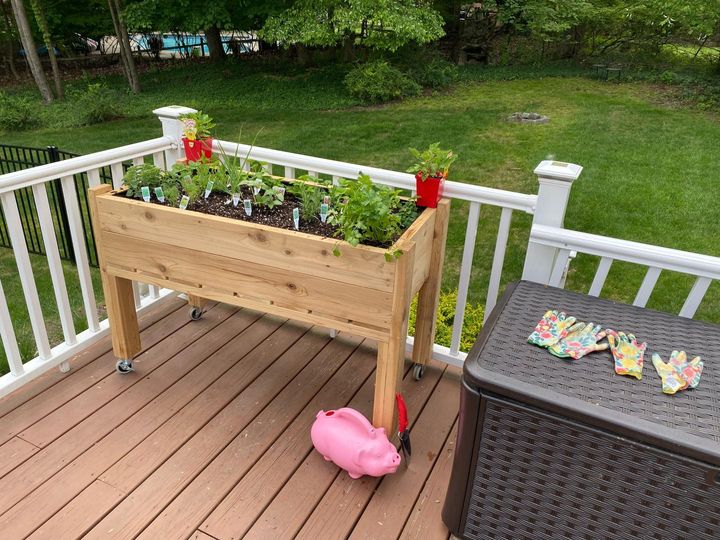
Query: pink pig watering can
<point>349,440</point>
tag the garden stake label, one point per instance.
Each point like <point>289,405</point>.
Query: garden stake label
<point>296,218</point>
<point>247,203</point>
<point>184,202</point>
<point>280,193</point>
<point>208,188</point>
<point>326,200</point>
<point>256,190</point>
<point>236,199</point>
<point>323,212</point>
<point>145,193</point>
<point>160,194</point>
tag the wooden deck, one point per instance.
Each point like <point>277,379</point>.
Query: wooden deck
<point>209,438</point>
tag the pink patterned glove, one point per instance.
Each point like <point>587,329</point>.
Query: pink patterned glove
<point>579,342</point>
<point>627,352</point>
<point>551,328</point>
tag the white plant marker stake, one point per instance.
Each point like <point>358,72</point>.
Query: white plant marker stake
<point>236,199</point>
<point>256,190</point>
<point>160,194</point>
<point>145,193</point>
<point>184,202</point>
<point>247,204</point>
<point>281,192</point>
<point>296,218</point>
<point>323,212</point>
<point>208,188</point>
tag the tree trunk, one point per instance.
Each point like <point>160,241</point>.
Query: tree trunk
<point>47,38</point>
<point>214,42</point>
<point>30,50</point>
<point>124,45</point>
<point>11,37</point>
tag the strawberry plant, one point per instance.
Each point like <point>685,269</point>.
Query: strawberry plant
<point>432,162</point>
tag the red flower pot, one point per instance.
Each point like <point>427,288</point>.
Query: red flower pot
<point>429,190</point>
<point>194,150</point>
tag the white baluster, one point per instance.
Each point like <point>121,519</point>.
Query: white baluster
<point>498,260</point>
<point>289,172</point>
<point>336,180</point>
<point>646,289</point>
<point>465,270</point>
<point>561,260</point>
<point>7,333</point>
<point>77,235</point>
<point>54,264</point>
<point>138,160</point>
<point>159,160</point>
<point>116,171</point>
<point>93,177</point>
<point>697,293</point>
<point>600,276</point>
<point>32,301</point>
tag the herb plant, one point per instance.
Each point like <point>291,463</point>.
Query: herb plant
<point>310,195</point>
<point>432,162</point>
<point>141,175</point>
<point>369,213</point>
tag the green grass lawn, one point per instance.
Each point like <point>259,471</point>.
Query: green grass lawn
<point>651,167</point>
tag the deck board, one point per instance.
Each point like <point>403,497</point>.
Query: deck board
<point>209,439</point>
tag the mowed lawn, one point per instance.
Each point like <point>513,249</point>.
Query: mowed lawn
<point>651,169</point>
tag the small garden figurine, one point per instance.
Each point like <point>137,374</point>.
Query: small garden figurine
<point>431,171</point>
<point>196,135</point>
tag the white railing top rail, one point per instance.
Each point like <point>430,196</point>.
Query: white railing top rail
<point>454,190</point>
<point>624,250</point>
<point>40,174</point>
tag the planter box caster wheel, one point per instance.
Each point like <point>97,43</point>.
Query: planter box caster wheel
<point>196,313</point>
<point>124,366</point>
<point>418,371</point>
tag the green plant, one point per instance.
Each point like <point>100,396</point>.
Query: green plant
<point>378,81</point>
<point>17,112</point>
<point>196,125</point>
<point>472,323</point>
<point>432,162</point>
<point>141,175</point>
<point>95,104</point>
<point>192,187</point>
<point>310,195</point>
<point>437,73</point>
<point>366,212</point>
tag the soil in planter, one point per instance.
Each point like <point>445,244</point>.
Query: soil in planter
<point>220,204</point>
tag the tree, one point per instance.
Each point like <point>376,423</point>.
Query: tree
<point>30,50</point>
<point>378,24</point>
<point>47,38</point>
<point>126,55</point>
<point>9,36</point>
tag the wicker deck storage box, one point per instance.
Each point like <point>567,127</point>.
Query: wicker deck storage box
<point>550,448</point>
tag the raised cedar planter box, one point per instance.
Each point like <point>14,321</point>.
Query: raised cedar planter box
<point>286,273</point>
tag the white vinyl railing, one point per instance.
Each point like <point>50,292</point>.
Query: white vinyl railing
<point>37,178</point>
<point>657,259</point>
<point>546,261</point>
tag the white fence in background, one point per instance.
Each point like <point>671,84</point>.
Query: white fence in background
<point>547,256</point>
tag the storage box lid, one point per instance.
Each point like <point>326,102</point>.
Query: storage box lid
<point>588,389</point>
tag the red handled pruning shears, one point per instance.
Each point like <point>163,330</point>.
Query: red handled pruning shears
<point>403,431</point>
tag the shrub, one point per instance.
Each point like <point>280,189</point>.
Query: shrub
<point>378,81</point>
<point>17,112</point>
<point>437,73</point>
<point>97,103</point>
<point>472,323</point>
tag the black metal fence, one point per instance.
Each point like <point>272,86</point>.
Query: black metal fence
<point>15,158</point>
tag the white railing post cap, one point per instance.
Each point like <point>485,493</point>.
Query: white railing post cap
<point>173,111</point>
<point>558,170</point>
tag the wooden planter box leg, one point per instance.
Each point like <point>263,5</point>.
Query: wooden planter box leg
<point>119,296</point>
<point>197,306</point>
<point>391,354</point>
<point>429,293</point>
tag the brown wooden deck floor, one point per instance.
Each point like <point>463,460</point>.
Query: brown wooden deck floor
<point>209,438</point>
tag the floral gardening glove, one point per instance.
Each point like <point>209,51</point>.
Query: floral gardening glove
<point>582,339</point>
<point>551,328</point>
<point>627,352</point>
<point>678,374</point>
